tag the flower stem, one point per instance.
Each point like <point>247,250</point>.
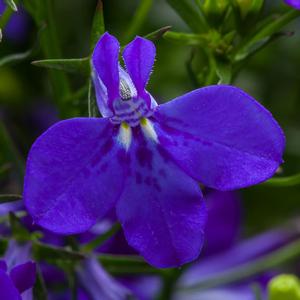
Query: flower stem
<point>283,181</point>
<point>98,241</point>
<point>258,266</point>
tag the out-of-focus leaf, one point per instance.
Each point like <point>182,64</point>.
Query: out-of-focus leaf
<point>3,246</point>
<point>126,264</point>
<point>43,252</point>
<point>39,288</point>
<point>186,38</point>
<point>73,65</point>
<point>138,19</point>
<point>10,152</point>
<point>191,14</point>
<point>157,34</point>
<point>5,198</point>
<point>98,27</point>
<point>224,72</point>
<point>283,181</point>
<point>264,35</point>
<point>19,232</point>
<point>11,4</point>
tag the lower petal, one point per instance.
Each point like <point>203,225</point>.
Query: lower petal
<point>161,208</point>
<point>71,170</point>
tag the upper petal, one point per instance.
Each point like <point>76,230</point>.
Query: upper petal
<point>70,172</point>
<point>7,289</point>
<point>139,58</point>
<point>221,137</point>
<point>105,61</point>
<point>161,209</point>
<point>23,276</point>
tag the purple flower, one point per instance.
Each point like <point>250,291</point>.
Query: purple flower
<point>17,27</point>
<point>293,3</point>
<point>146,160</point>
<point>17,273</point>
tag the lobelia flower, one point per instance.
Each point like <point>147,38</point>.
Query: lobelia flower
<point>146,159</point>
<point>293,3</point>
<point>17,273</point>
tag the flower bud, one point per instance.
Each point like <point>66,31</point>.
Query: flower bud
<point>249,7</point>
<point>214,10</point>
<point>285,287</point>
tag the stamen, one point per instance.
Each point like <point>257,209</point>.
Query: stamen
<point>125,135</point>
<point>125,90</point>
<point>148,129</point>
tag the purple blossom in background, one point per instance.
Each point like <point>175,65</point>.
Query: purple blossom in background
<point>293,3</point>
<point>17,273</point>
<point>98,284</point>
<point>18,25</point>
<point>146,159</point>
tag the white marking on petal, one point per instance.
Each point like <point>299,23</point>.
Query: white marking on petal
<point>148,129</point>
<point>125,135</point>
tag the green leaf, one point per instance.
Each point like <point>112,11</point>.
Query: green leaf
<point>157,34</point>
<point>189,39</point>
<point>10,153</point>
<point>224,72</point>
<point>98,27</point>
<point>19,232</point>
<point>97,242</point>
<point>191,14</point>
<point>263,35</point>
<point>39,288</point>
<point>92,101</point>
<point>73,65</point>
<point>11,4</point>
<point>283,181</point>
<point>271,260</point>
<point>3,247</point>
<point>44,252</point>
<point>126,264</point>
<point>5,198</point>
<point>138,19</point>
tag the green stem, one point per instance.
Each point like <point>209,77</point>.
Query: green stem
<point>138,20</point>
<point>11,153</point>
<point>97,242</point>
<point>283,255</point>
<point>283,181</point>
<point>170,278</point>
<point>5,17</point>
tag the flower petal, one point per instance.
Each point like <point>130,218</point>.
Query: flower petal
<point>139,58</point>
<point>71,170</point>
<point>222,137</point>
<point>161,208</point>
<point>293,3</point>
<point>23,276</point>
<point>105,61</point>
<point>223,222</point>
<point>7,289</point>
<point>243,253</point>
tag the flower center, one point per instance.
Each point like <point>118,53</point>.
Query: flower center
<point>129,108</point>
